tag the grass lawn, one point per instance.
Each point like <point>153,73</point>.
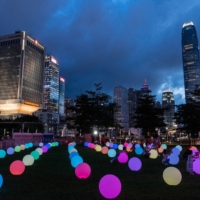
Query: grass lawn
<point>52,177</point>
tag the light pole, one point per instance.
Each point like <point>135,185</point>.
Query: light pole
<point>167,134</point>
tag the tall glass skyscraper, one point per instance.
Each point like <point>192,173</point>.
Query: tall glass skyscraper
<point>190,55</point>
<point>62,96</point>
<point>51,84</point>
<point>22,72</point>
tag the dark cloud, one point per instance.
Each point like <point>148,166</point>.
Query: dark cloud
<point>116,42</point>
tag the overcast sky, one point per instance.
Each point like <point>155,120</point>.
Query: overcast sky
<point>113,42</point>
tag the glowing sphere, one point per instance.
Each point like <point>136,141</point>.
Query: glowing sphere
<point>76,160</point>
<point>70,148</point>
<point>104,150</point>
<point>1,180</point>
<point>89,144</point>
<point>30,144</point>
<point>110,186</point>
<point>139,150</point>
<point>39,150</point>
<point>10,151</point>
<point>73,154</point>
<point>85,144</point>
<point>26,146</point>
<point>48,145</point>
<point>44,149</point>
<point>144,145</point>
<point>153,153</point>
<point>193,148</point>
<point>2,153</point>
<point>130,144</point>
<point>135,164</point>
<point>53,144</point>
<point>17,167</point>
<point>73,150</point>
<point>111,153</point>
<point>150,146</point>
<point>194,152</point>
<point>17,149</point>
<point>56,143</point>
<point>129,149</point>
<point>108,144</point>
<point>137,145</point>
<point>35,155</point>
<point>71,144</point>
<point>111,145</point>
<point>125,144</point>
<point>179,147</point>
<point>164,146</point>
<point>83,170</point>
<point>22,147</point>
<point>28,160</point>
<point>41,144</point>
<point>74,143</point>
<point>173,159</point>
<point>176,151</point>
<point>123,157</point>
<point>120,147</point>
<point>115,146</point>
<point>92,146</point>
<point>98,148</point>
<point>160,150</point>
<point>196,166</point>
<point>172,176</point>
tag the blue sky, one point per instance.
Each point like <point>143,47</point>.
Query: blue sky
<point>115,42</point>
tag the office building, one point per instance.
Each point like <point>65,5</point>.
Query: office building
<point>22,72</point>
<point>51,84</point>
<point>190,56</point>
<point>121,98</point>
<point>145,90</point>
<point>169,104</point>
<point>62,97</point>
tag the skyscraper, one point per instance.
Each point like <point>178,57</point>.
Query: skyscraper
<point>121,98</point>
<point>168,102</point>
<point>62,96</point>
<point>190,55</point>
<point>51,84</point>
<point>22,70</point>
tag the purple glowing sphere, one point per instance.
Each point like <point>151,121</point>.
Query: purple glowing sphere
<point>44,149</point>
<point>134,164</point>
<point>110,186</point>
<point>83,170</point>
<point>196,166</point>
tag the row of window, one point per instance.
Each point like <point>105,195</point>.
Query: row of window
<point>30,44</point>
<point>10,42</point>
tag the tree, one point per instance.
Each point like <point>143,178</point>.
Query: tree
<point>93,109</point>
<point>188,115</point>
<point>148,117</point>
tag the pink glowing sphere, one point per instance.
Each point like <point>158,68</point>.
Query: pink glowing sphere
<point>22,147</point>
<point>92,146</point>
<point>123,157</point>
<point>104,150</point>
<point>83,170</point>
<point>129,149</point>
<point>193,148</point>
<point>125,144</point>
<point>160,150</point>
<point>44,149</point>
<point>135,164</point>
<point>17,167</point>
<point>110,186</point>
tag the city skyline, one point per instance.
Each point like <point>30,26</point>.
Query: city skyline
<point>115,42</point>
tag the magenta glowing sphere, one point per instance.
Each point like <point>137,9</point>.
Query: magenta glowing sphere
<point>92,146</point>
<point>44,149</point>
<point>17,167</point>
<point>196,166</point>
<point>135,164</point>
<point>83,170</point>
<point>110,186</point>
<point>123,157</point>
<point>125,144</point>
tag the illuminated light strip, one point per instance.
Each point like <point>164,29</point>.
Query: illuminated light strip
<point>31,103</point>
<point>62,79</point>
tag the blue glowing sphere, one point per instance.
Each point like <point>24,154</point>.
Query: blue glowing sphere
<point>111,153</point>
<point>115,146</point>
<point>2,153</point>
<point>74,143</point>
<point>176,151</point>
<point>1,180</point>
<point>26,146</point>
<point>179,147</point>
<point>56,143</point>
<point>70,148</point>
<point>137,145</point>
<point>111,145</point>
<point>76,160</point>
<point>73,154</point>
<point>85,144</point>
<point>48,146</point>
<point>164,146</point>
<point>139,150</point>
<point>30,144</point>
<point>41,144</point>
<point>173,159</point>
<point>10,151</point>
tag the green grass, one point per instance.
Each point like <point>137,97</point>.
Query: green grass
<point>52,177</point>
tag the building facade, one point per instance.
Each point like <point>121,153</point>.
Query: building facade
<point>169,104</point>
<point>121,98</point>
<point>51,84</point>
<point>190,56</point>
<point>62,97</point>
<point>22,72</point>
